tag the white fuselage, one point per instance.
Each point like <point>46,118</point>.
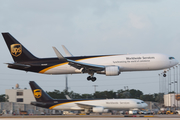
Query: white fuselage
<point>126,62</point>
<point>111,104</point>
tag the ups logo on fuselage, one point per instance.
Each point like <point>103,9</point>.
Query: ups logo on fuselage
<point>37,93</point>
<point>16,50</point>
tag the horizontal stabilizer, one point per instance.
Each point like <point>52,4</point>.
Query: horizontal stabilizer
<point>38,104</point>
<point>18,65</point>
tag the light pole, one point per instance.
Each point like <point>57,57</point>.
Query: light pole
<point>179,75</point>
<point>95,88</point>
<point>159,86</point>
<point>66,84</point>
<point>174,84</point>
<point>175,94</point>
<point>165,89</point>
<point>159,81</point>
<point>170,79</point>
<point>168,88</point>
<point>177,83</point>
<point>162,83</point>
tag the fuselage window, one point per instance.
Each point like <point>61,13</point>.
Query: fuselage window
<point>138,103</point>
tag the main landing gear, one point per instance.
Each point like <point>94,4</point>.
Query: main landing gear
<point>164,75</point>
<point>91,78</point>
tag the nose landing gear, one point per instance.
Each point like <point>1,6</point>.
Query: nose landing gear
<point>164,75</point>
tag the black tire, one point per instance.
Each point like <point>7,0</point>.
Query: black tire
<point>164,75</point>
<point>89,78</point>
<point>93,79</point>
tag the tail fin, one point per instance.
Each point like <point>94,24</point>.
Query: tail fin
<point>39,94</point>
<point>17,50</point>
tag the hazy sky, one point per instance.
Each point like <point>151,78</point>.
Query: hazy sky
<point>89,27</point>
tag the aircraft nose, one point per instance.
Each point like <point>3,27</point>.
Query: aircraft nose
<point>144,105</point>
<point>175,62</point>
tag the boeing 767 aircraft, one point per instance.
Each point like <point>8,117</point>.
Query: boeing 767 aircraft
<point>87,105</point>
<point>110,65</point>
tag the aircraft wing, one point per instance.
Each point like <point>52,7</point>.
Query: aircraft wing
<point>80,65</point>
<point>86,106</point>
<point>67,51</point>
<point>86,66</point>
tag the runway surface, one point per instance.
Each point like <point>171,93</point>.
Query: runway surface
<point>90,117</point>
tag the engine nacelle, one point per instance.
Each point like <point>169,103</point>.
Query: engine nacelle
<point>99,110</point>
<point>112,70</point>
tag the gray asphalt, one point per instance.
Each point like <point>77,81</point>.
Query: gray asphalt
<point>91,118</point>
<point>85,117</point>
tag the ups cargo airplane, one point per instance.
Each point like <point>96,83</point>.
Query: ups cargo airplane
<point>110,65</point>
<point>87,105</point>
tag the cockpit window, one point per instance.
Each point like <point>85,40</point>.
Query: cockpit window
<point>142,102</point>
<point>138,103</point>
<point>171,58</point>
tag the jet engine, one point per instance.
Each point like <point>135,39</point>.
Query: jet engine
<point>112,70</point>
<point>99,109</point>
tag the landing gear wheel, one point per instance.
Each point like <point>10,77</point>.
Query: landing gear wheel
<point>164,75</point>
<point>89,78</point>
<point>93,79</point>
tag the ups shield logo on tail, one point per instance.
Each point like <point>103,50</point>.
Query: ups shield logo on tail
<point>37,93</point>
<point>16,50</point>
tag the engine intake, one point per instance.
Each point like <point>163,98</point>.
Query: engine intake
<point>112,70</point>
<point>99,109</point>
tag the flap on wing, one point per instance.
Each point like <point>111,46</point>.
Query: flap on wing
<point>85,106</point>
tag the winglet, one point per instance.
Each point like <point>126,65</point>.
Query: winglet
<point>68,54</point>
<point>67,97</point>
<point>59,55</point>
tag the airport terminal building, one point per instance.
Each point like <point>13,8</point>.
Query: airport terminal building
<point>171,100</point>
<point>24,96</point>
<point>19,100</point>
